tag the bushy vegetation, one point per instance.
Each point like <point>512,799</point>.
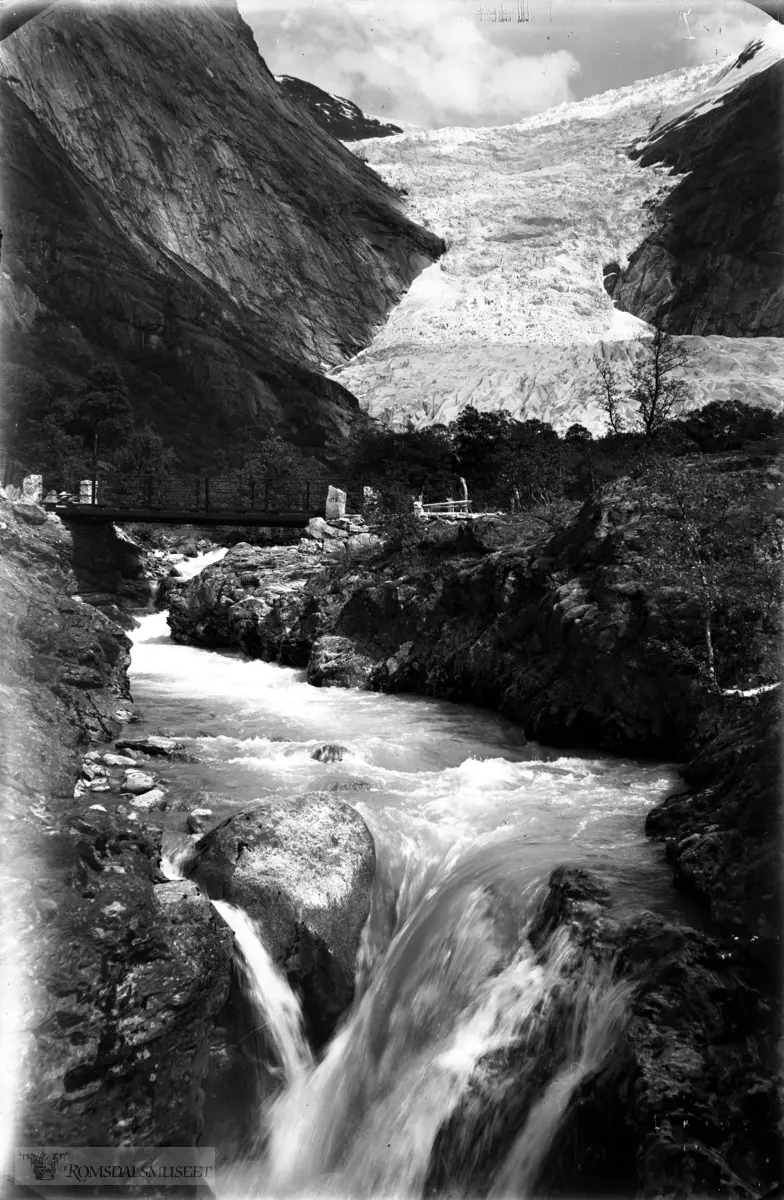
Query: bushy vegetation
<point>515,466</point>
<point>72,431</point>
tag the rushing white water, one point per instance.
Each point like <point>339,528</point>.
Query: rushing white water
<point>188,567</point>
<point>468,822</point>
<point>270,998</point>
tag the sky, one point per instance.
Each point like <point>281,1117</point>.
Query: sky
<point>447,62</point>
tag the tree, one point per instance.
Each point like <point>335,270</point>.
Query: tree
<point>420,460</point>
<point>609,388</point>
<point>100,413</point>
<point>144,452</point>
<point>656,388</point>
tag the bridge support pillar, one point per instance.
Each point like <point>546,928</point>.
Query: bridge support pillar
<point>86,491</point>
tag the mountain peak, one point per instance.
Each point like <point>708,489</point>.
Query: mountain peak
<point>339,116</point>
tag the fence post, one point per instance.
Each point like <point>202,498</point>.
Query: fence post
<point>207,494</point>
<point>94,498</point>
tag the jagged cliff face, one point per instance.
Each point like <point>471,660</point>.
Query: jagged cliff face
<point>713,263</point>
<point>166,203</point>
<point>339,116</point>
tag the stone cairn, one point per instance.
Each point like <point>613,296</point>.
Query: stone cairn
<point>336,532</point>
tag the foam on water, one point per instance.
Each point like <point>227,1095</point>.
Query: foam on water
<point>468,822</point>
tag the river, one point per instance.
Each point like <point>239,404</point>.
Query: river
<point>468,821</point>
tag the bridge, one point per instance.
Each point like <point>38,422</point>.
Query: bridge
<point>195,500</point>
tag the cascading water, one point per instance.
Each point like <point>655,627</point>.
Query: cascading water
<point>468,823</point>
<point>268,995</point>
<point>273,1005</point>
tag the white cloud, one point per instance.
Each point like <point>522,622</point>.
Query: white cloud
<point>429,63</point>
<point>433,62</point>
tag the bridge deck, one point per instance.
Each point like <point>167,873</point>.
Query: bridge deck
<point>183,516</point>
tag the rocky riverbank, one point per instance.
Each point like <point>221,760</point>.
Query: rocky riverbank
<point>569,633</point>
<point>153,1043</point>
<point>121,1002</point>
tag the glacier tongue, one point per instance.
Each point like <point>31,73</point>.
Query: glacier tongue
<point>532,213</point>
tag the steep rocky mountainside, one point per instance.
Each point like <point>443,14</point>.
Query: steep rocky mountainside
<point>165,203</point>
<point>535,216</point>
<point>714,263</point>
<point>339,116</point>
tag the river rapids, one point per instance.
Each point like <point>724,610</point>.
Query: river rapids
<point>468,820</point>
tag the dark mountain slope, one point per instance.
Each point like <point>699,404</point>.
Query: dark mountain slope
<point>74,284</point>
<point>340,117</point>
<point>150,215</point>
<point>714,263</point>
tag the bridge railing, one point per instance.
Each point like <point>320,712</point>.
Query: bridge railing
<point>202,493</point>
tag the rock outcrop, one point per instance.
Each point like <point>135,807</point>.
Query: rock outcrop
<point>723,837</point>
<point>167,205</point>
<point>302,868</point>
<point>130,972</point>
<point>712,264</point>
<point>569,633</point>
<point>339,116</point>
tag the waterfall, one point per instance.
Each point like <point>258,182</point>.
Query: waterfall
<point>596,1018</point>
<point>428,1032</point>
<point>275,1007</point>
<point>456,1069</point>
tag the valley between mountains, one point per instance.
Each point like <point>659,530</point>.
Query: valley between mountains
<point>394,854</point>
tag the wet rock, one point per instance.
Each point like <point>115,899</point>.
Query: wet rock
<point>153,744</point>
<point>575,899</point>
<point>303,868</point>
<point>196,823</point>
<point>118,760</point>
<point>175,806</point>
<point>154,798</point>
<point>249,599</point>
<point>328,753</point>
<point>350,785</point>
<point>93,770</point>
<point>99,785</point>
<point>336,662</point>
<point>127,716</point>
<point>137,781</point>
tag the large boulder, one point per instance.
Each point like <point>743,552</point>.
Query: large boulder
<point>302,868</point>
<point>337,662</point>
